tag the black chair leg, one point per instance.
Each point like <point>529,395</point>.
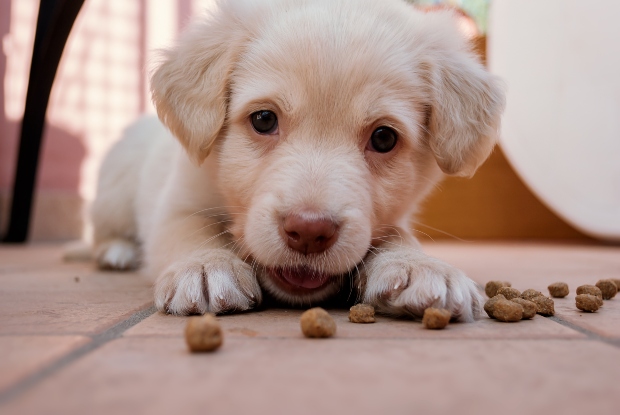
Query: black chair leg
<point>54,22</point>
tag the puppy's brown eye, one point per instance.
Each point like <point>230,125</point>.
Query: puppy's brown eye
<point>264,122</point>
<point>382,140</point>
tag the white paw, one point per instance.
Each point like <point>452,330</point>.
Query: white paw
<point>117,254</point>
<point>404,281</point>
<point>215,281</point>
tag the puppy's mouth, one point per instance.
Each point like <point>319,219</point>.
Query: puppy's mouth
<point>299,279</point>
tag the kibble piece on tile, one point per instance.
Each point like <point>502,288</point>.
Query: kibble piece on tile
<point>608,289</point>
<point>587,302</point>
<point>436,318</point>
<point>589,289</point>
<point>362,313</point>
<point>509,292</point>
<point>203,333</point>
<point>558,289</point>
<point>507,311</point>
<point>488,306</point>
<point>544,305</point>
<point>316,322</point>
<point>492,286</point>
<point>529,294</point>
<point>529,308</point>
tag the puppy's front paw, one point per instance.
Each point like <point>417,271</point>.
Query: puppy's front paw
<point>404,281</point>
<point>216,281</point>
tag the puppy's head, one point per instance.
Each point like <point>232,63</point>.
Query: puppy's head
<point>330,120</point>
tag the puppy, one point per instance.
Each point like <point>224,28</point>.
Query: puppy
<point>307,134</point>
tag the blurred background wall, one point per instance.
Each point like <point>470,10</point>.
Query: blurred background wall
<point>102,85</point>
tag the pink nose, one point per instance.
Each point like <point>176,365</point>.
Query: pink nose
<point>308,232</point>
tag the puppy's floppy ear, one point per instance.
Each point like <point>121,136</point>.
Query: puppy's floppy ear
<point>466,102</point>
<point>190,87</point>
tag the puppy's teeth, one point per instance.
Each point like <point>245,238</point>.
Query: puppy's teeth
<point>396,286</point>
<point>221,297</point>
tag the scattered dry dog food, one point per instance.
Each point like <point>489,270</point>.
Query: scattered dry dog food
<point>362,313</point>
<point>529,308</point>
<point>490,304</point>
<point>608,289</point>
<point>316,322</point>
<point>589,289</point>
<point>617,282</point>
<point>436,318</point>
<point>492,286</point>
<point>558,289</point>
<point>203,333</point>
<point>509,292</point>
<point>507,311</point>
<point>544,305</point>
<point>587,302</point>
<point>529,294</point>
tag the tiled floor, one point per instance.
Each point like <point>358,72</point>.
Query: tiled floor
<point>77,341</point>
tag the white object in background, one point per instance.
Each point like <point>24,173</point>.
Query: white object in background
<point>560,60</point>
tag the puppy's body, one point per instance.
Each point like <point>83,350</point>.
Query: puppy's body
<point>372,99</point>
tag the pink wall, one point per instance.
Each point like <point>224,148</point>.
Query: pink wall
<point>100,86</point>
<point>97,90</point>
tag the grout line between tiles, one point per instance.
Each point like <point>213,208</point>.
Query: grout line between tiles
<point>590,334</point>
<point>96,342</point>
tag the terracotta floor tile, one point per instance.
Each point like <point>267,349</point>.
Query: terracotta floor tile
<point>50,301</point>
<point>21,356</point>
<point>15,258</point>
<point>310,376</point>
<point>531,265</point>
<point>538,265</point>
<point>266,366</point>
<point>285,324</point>
<point>605,322</point>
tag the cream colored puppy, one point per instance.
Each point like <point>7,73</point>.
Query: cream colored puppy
<point>312,130</point>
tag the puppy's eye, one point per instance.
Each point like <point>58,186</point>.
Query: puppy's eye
<point>264,122</point>
<point>382,140</point>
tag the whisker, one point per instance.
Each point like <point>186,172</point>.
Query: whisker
<point>212,238</point>
<point>423,233</point>
<point>211,208</point>
<point>440,231</point>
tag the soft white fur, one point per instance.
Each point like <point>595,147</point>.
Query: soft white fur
<point>204,214</point>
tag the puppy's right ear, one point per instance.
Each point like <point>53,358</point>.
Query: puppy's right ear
<point>190,87</point>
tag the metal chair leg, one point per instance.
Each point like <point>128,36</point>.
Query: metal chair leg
<point>54,23</point>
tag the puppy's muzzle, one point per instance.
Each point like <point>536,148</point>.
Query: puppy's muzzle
<point>309,232</point>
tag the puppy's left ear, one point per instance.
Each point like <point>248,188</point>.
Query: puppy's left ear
<point>466,101</point>
<point>190,86</point>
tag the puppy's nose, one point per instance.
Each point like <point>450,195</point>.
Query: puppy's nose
<point>308,232</point>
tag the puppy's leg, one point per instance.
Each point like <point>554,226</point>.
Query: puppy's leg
<point>112,212</point>
<point>198,272</point>
<point>399,279</point>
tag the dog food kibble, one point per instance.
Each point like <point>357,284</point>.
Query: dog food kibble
<point>529,308</point>
<point>617,282</point>
<point>436,318</point>
<point>203,333</point>
<point>529,294</point>
<point>492,286</point>
<point>558,289</point>
<point>590,289</point>
<point>544,305</point>
<point>608,289</point>
<point>362,313</point>
<point>316,322</point>
<point>507,311</point>
<point>509,292</point>
<point>587,302</point>
<point>490,304</point>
